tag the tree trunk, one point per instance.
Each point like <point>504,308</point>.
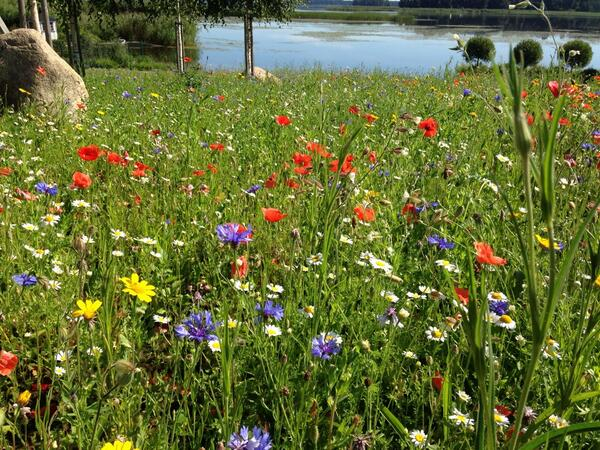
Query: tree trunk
<point>75,38</point>
<point>35,18</point>
<point>46,22</point>
<point>22,14</point>
<point>248,45</point>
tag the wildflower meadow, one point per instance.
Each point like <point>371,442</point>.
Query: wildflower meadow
<point>337,261</point>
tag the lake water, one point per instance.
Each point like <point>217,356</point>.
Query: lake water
<point>411,49</point>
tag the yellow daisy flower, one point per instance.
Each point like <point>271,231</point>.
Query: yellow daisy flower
<point>139,289</point>
<point>87,309</point>
<point>119,445</point>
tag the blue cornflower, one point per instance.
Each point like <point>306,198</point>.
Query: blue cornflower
<point>170,135</point>
<point>588,146</point>
<point>126,94</point>
<point>270,310</point>
<point>204,144</point>
<point>253,189</point>
<point>24,279</point>
<point>500,131</point>
<point>498,97</point>
<point>259,440</point>
<point>441,243</point>
<point>326,345</point>
<point>197,327</point>
<point>467,92</point>
<point>499,307</point>
<point>234,234</point>
<point>46,189</point>
<point>425,206</point>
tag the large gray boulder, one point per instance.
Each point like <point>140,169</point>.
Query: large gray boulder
<point>30,71</point>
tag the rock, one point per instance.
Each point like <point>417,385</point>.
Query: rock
<point>262,75</point>
<point>30,71</point>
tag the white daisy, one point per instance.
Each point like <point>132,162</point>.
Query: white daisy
<point>272,330</point>
<point>214,345</point>
<point>435,334</point>
<point>418,438</point>
<point>117,234</point>
<point>50,219</point>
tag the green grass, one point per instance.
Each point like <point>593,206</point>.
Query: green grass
<point>160,391</point>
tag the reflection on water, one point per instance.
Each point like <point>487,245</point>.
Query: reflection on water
<point>332,45</point>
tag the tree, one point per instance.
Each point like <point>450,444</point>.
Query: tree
<point>250,10</point>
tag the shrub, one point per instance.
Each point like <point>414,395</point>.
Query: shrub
<point>478,49</point>
<point>576,53</point>
<point>528,52</point>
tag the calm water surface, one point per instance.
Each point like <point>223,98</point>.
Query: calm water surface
<point>366,46</point>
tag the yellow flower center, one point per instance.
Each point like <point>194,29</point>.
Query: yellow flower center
<point>437,334</point>
<point>505,319</point>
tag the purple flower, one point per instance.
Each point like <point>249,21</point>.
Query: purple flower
<point>467,92</point>
<point>126,94</point>
<point>46,189</point>
<point>326,344</point>
<point>197,327</point>
<point>588,146</point>
<point>442,243</point>
<point>499,307</point>
<point>498,97</point>
<point>390,317</point>
<point>270,310</point>
<point>24,279</point>
<point>259,440</point>
<point>253,189</point>
<point>234,234</point>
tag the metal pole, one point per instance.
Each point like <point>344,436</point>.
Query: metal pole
<point>179,41</point>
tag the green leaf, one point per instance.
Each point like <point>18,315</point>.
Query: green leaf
<point>559,433</point>
<point>394,421</point>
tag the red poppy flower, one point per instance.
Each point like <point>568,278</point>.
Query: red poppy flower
<point>370,117</point>
<point>410,211</point>
<point>462,294</point>
<point>155,132</point>
<point>364,214</point>
<point>41,71</point>
<point>219,98</point>
<point>372,157</point>
<point>554,88</point>
<point>272,214</point>
<point>292,183</point>
<point>89,153</point>
<point>437,381</point>
<point>302,159</point>
<point>524,93</point>
<point>485,255</point>
<point>564,121</point>
<point>530,119</point>
<point>354,110</point>
<point>283,121</point>
<point>116,159</point>
<point>198,173</point>
<point>504,410</point>
<point>212,168</point>
<point>239,267</point>
<point>271,181</point>
<point>217,146</point>
<point>137,200</point>
<point>8,362</point>
<point>346,166</point>
<point>429,126</point>
<point>80,105</point>
<point>81,181</point>
<point>5,171</point>
<point>187,59</point>
<point>315,147</point>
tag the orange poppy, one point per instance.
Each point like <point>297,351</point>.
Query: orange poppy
<point>485,255</point>
<point>81,181</point>
<point>8,362</point>
<point>272,214</point>
<point>364,214</point>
